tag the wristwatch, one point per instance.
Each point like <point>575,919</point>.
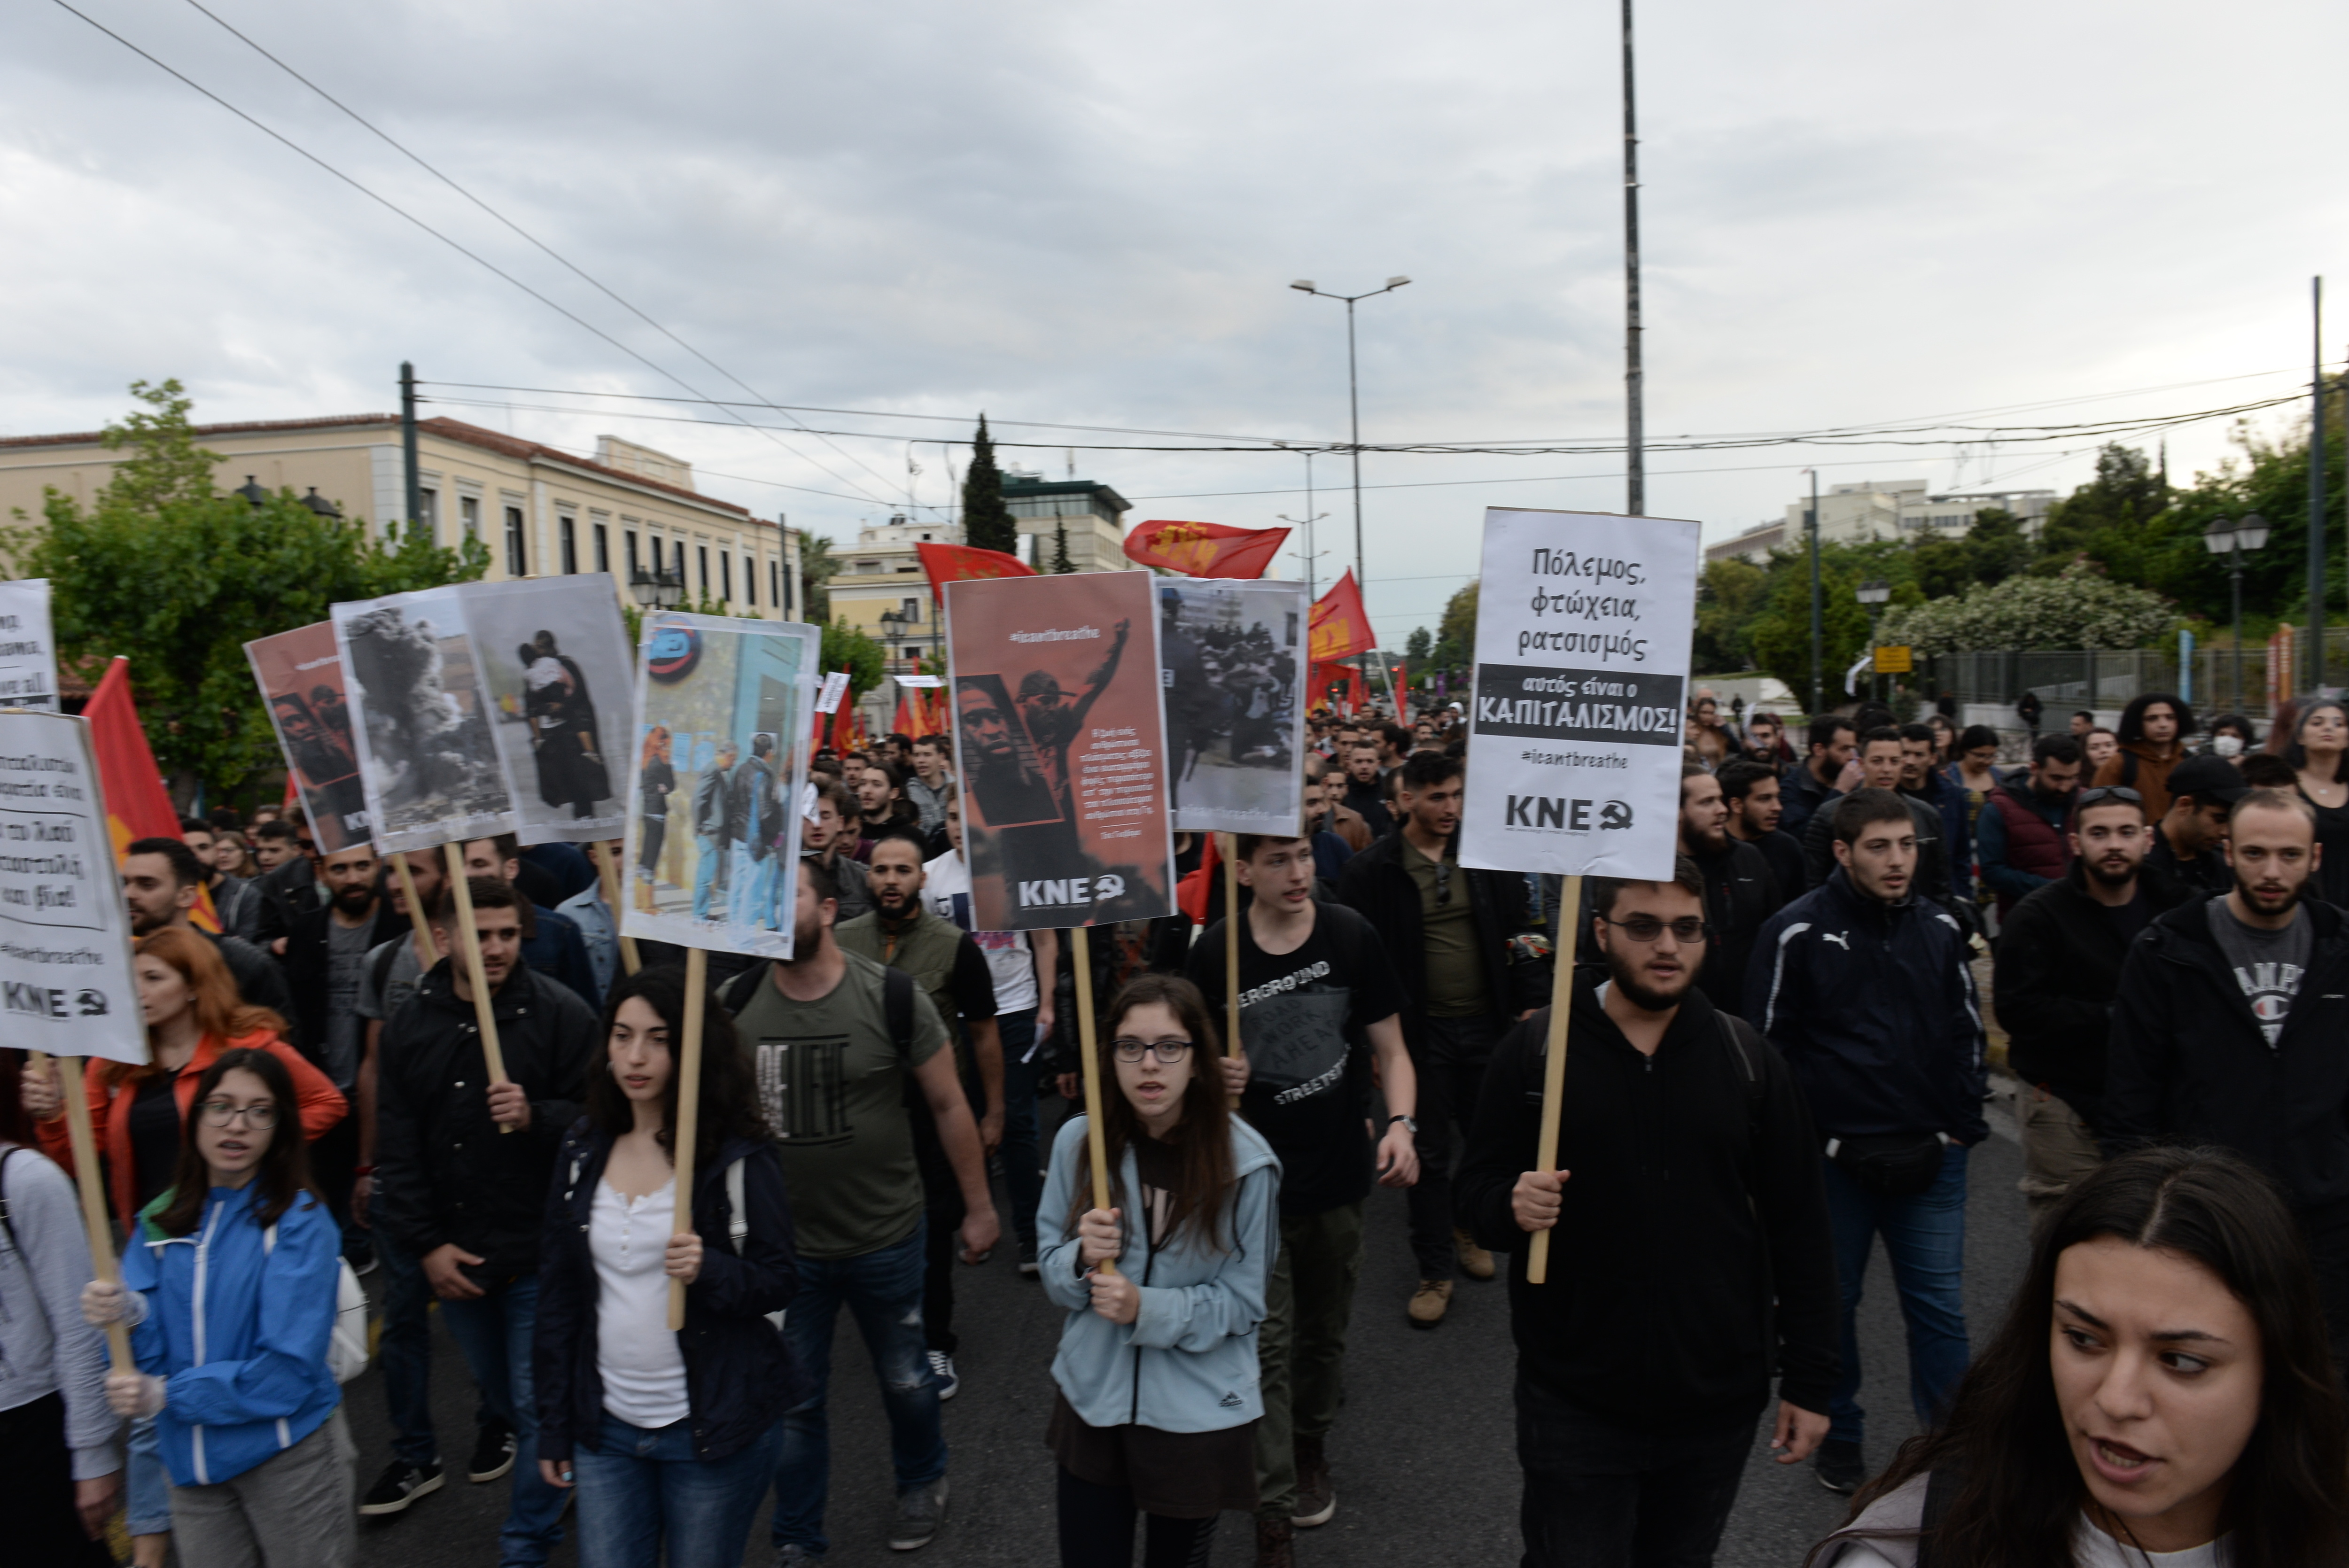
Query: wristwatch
<point>1409,1124</point>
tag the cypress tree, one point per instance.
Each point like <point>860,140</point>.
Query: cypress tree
<point>986,520</point>
<point>1060,561</point>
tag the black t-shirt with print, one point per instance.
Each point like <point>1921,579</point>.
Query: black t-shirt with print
<point>1304,1017</point>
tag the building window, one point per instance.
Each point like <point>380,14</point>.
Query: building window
<point>631,537</point>
<point>703,551</point>
<point>909,609</point>
<point>775,581</point>
<point>517,547</point>
<point>468,509</point>
<point>750,581</point>
<point>603,548</point>
<point>427,506</point>
<point>725,576</point>
<point>567,534</point>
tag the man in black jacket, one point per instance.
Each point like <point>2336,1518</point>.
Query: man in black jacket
<point>1756,805</point>
<point>1363,795</point>
<point>1689,1250</point>
<point>1810,783</point>
<point>2228,1030</point>
<point>2059,969</point>
<point>464,1165</point>
<point>2190,843</point>
<point>1881,763</point>
<point>1449,932</point>
<point>1740,893</point>
<point>1864,986</point>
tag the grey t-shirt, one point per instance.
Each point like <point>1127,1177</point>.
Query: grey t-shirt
<point>2267,964</point>
<point>347,951</point>
<point>398,980</point>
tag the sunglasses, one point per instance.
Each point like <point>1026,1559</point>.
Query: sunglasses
<point>1646,928</point>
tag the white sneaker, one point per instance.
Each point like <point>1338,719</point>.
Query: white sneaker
<point>942,1368</point>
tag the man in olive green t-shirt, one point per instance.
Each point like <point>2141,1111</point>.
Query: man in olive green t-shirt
<point>833,1082</point>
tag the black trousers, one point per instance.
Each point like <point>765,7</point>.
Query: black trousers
<point>2326,1232</point>
<point>36,1489</point>
<point>1450,1067</point>
<point>1602,1495</point>
<point>943,1205</point>
<point>1097,1530</point>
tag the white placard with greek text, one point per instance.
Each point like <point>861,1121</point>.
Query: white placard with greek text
<point>64,946</point>
<point>1583,627</point>
<point>28,658</point>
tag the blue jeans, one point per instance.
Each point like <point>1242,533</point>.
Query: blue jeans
<point>146,1484</point>
<point>494,1331</point>
<point>1022,1172</point>
<point>752,900</point>
<point>883,1291</point>
<point>643,1488</point>
<point>705,872</point>
<point>1925,1240</point>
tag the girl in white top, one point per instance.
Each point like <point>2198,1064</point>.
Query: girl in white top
<point>2161,1395</point>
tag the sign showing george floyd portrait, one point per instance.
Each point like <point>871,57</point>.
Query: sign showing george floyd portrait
<point>300,673</point>
<point>427,761</point>
<point>718,745</point>
<point>1582,659</point>
<point>1059,743</point>
<point>555,661</point>
<point>1233,671</point>
<point>66,985</point>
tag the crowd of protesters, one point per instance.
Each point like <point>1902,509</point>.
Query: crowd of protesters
<point>1780,1055</point>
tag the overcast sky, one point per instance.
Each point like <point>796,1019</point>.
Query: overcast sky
<point>1852,212</point>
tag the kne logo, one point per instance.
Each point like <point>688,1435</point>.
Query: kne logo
<point>1572,816</point>
<point>1060,892</point>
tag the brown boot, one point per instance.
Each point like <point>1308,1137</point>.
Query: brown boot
<point>1276,1544</point>
<point>1317,1500</point>
<point>1474,1261</point>
<point>1428,1301</point>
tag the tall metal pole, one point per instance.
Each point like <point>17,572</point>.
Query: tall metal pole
<point>408,443</point>
<point>2235,581</point>
<point>1818,653</point>
<point>1309,530</point>
<point>1636,437</point>
<point>1354,403</point>
<point>2316,488</point>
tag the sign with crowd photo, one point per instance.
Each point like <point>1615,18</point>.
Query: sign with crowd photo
<point>28,656</point>
<point>1233,668</point>
<point>421,724</point>
<point>1582,660</point>
<point>66,985</point>
<point>554,658</point>
<point>1059,743</point>
<point>300,673</point>
<point>719,744</point>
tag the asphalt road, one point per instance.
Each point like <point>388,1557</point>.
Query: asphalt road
<point>1424,1456</point>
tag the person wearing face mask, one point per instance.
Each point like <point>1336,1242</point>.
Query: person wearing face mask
<point>2231,735</point>
<point>2159,1394</point>
<point>2319,754</point>
<point>229,1290</point>
<point>1883,764</point>
<point>2152,741</point>
<point>1156,1387</point>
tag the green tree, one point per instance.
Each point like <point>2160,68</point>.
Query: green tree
<point>1060,561</point>
<point>2125,495</point>
<point>177,577</point>
<point>987,519</point>
<point>1942,567</point>
<point>846,648</point>
<point>1781,632</point>
<point>818,567</point>
<point>1417,646</point>
<point>1995,546</point>
<point>1456,632</point>
<point>1727,596</point>
<point>2080,608</point>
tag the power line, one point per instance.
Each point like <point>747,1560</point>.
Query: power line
<point>394,207</point>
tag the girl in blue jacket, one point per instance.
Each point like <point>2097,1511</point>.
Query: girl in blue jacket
<point>1157,1367</point>
<point>230,1285</point>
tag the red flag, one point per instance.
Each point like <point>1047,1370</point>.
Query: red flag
<point>843,722</point>
<point>904,722</point>
<point>1340,626</point>
<point>1192,894</point>
<point>137,804</point>
<point>944,563</point>
<point>1205,549</point>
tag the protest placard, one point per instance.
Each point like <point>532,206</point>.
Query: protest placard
<point>426,761</point>
<point>554,658</point>
<point>1233,672</point>
<point>1061,749</point>
<point>720,746</point>
<point>1583,628</point>
<point>300,673</point>
<point>66,986</point>
<point>28,657</point>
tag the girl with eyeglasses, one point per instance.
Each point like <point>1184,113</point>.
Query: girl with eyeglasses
<point>1156,1373</point>
<point>137,1119</point>
<point>229,1290</point>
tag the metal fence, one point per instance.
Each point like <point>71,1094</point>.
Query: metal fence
<point>2223,680</point>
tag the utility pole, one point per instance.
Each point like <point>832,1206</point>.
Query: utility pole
<point>1353,400</point>
<point>408,443</point>
<point>1636,442</point>
<point>1818,650</point>
<point>2317,563</point>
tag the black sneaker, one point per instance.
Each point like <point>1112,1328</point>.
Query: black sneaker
<point>494,1455</point>
<point>400,1484</point>
<point>942,1372</point>
<point>1841,1467</point>
<point>920,1510</point>
<point>1028,1256</point>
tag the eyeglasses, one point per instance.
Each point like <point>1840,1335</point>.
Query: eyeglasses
<point>1648,928</point>
<point>220,1113</point>
<point>2107,793</point>
<point>1168,1051</point>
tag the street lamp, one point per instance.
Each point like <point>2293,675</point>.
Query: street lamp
<point>1873,593</point>
<point>1307,523</point>
<point>2230,539</point>
<point>657,589</point>
<point>1353,398</point>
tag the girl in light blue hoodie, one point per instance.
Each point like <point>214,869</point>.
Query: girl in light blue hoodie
<point>228,1284</point>
<point>1157,1367</point>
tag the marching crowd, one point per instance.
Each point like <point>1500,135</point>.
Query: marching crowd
<point>1777,1055</point>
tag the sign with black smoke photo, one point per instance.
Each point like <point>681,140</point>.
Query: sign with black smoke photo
<point>1583,627</point>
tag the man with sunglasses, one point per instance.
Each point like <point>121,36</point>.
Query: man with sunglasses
<point>1689,1249</point>
<point>2058,974</point>
<point>1863,984</point>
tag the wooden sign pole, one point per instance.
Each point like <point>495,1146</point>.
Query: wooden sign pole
<point>607,866</point>
<point>426,954</point>
<point>1232,949</point>
<point>1094,1142</point>
<point>93,1197</point>
<point>484,1011</point>
<point>689,1110</point>
<point>1561,1007</point>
